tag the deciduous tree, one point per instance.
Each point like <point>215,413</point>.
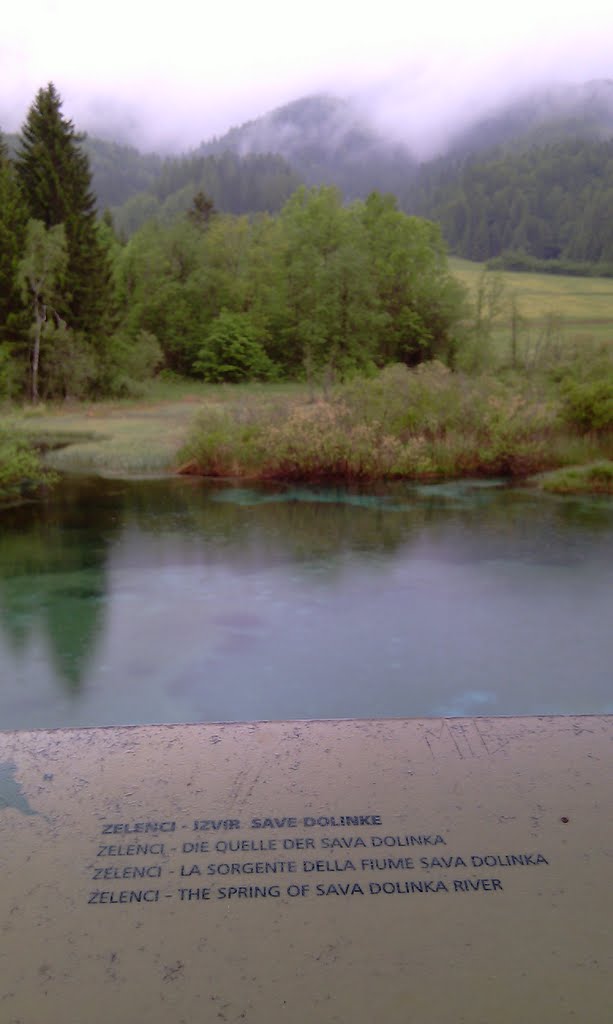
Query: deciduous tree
<point>40,274</point>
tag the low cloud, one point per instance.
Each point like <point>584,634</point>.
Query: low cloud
<point>170,80</point>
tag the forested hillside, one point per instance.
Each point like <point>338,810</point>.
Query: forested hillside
<point>318,140</point>
<point>118,171</point>
<point>255,183</point>
<point>531,182</point>
<point>137,187</point>
<point>328,141</point>
<point>551,202</point>
<point>540,118</point>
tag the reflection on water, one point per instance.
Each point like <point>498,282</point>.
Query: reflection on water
<point>176,600</point>
<point>53,585</point>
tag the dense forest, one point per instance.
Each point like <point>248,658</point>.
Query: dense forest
<point>549,202</point>
<point>321,287</point>
<point>529,185</point>
<point>136,187</point>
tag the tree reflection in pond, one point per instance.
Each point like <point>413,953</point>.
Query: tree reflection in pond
<point>53,578</point>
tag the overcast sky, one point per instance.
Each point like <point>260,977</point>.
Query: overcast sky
<point>171,75</point>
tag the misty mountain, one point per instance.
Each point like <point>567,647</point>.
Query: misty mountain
<point>317,140</point>
<point>328,141</point>
<point>543,116</point>
<point>118,171</point>
<point>533,176</point>
<point>534,179</point>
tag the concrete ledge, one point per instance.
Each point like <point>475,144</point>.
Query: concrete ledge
<point>432,871</point>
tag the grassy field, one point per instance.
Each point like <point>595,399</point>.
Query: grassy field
<point>555,313</point>
<point>579,301</point>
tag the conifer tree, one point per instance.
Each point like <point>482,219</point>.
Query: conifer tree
<point>202,210</point>
<point>13,218</point>
<point>55,180</point>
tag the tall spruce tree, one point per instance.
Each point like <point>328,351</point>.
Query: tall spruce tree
<point>55,180</point>
<point>13,218</point>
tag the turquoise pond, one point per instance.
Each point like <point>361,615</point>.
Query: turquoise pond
<point>177,600</point>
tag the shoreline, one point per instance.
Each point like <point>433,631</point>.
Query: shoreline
<point>279,435</point>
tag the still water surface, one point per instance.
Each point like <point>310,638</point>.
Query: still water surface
<point>182,601</point>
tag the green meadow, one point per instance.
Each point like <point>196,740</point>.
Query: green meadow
<point>539,316</point>
<point>585,302</point>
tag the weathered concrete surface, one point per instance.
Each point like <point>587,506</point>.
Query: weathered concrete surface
<point>475,889</point>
